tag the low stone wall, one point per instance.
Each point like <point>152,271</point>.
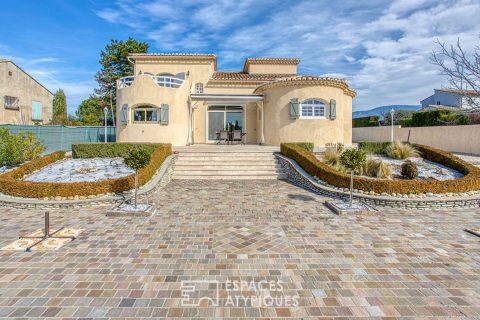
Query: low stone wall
<point>298,176</point>
<point>159,180</point>
<point>450,138</point>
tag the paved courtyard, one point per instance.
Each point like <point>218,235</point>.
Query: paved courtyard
<point>263,248</point>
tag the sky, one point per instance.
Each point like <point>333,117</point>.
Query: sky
<point>381,47</point>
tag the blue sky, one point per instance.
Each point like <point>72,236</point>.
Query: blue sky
<point>381,47</point>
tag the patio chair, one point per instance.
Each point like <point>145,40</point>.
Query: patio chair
<point>237,136</point>
<point>222,136</point>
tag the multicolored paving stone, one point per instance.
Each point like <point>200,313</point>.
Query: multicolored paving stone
<point>244,249</point>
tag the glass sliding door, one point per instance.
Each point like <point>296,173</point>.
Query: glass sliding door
<point>216,122</point>
<point>223,118</point>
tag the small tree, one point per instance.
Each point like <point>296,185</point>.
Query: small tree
<point>353,159</point>
<point>59,108</point>
<point>137,159</point>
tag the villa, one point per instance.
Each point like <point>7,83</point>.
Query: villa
<point>183,99</point>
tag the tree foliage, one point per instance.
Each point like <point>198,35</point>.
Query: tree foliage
<point>59,108</point>
<point>90,113</point>
<point>18,148</point>
<point>353,159</point>
<point>137,159</point>
<point>114,65</point>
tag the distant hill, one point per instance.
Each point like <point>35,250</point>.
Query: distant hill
<point>379,110</point>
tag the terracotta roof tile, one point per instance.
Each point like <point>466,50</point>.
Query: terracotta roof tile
<point>244,76</point>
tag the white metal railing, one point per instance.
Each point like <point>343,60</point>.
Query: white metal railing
<point>161,81</point>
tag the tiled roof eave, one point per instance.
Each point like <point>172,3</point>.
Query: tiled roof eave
<point>330,82</point>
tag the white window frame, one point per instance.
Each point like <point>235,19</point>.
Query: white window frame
<point>145,109</point>
<point>306,104</point>
<point>198,87</point>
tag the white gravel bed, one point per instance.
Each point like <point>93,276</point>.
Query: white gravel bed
<point>81,170</point>
<point>427,170</point>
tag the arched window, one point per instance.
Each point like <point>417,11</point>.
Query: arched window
<point>199,87</point>
<point>312,108</point>
<point>145,114</point>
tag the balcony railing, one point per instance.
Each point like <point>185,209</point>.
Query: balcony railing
<point>161,81</point>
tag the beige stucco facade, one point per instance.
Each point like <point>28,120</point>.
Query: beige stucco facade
<point>18,92</point>
<point>259,100</point>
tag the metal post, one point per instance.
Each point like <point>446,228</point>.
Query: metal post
<point>392,114</point>
<point>47,224</point>
<point>105,110</point>
<point>351,187</point>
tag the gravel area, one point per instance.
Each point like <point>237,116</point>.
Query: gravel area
<point>82,170</point>
<point>427,170</point>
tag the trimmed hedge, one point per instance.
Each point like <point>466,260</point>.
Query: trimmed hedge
<point>373,147</point>
<point>469,182</point>
<point>11,184</point>
<point>304,145</point>
<point>109,150</point>
<point>370,121</point>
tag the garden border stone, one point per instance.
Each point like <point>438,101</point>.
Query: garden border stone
<point>299,177</point>
<point>158,181</point>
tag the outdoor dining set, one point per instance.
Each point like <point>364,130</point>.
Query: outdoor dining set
<point>230,137</point>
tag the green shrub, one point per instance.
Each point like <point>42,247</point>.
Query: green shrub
<point>409,170</point>
<point>137,159</point>
<point>370,121</point>
<point>401,151</point>
<point>11,184</point>
<point>308,146</point>
<point>469,182</point>
<point>373,147</point>
<point>377,169</point>
<point>353,159</point>
<point>109,150</point>
<point>18,148</point>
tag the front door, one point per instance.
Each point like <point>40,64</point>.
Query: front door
<point>223,118</point>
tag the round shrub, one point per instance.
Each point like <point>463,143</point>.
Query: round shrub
<point>353,159</point>
<point>137,159</point>
<point>409,170</point>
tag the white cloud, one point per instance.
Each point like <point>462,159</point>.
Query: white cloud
<point>382,48</point>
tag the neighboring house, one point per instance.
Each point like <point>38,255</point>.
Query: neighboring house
<point>451,99</point>
<point>24,100</point>
<point>183,99</point>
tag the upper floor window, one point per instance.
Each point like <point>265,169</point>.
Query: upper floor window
<point>10,102</point>
<point>312,108</point>
<point>199,88</point>
<point>145,114</point>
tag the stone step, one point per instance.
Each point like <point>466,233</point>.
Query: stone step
<point>227,172</point>
<point>223,177</point>
<point>185,167</point>
<point>228,157</point>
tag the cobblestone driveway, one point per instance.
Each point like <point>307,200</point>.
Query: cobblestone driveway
<point>389,264</point>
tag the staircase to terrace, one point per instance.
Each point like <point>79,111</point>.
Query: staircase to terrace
<point>227,162</point>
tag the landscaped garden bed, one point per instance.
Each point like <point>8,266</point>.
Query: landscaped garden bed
<point>466,182</point>
<point>16,182</point>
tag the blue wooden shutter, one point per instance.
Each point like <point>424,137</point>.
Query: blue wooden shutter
<point>37,114</point>
<point>294,108</point>
<point>125,113</point>
<point>333,109</point>
<point>164,114</point>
